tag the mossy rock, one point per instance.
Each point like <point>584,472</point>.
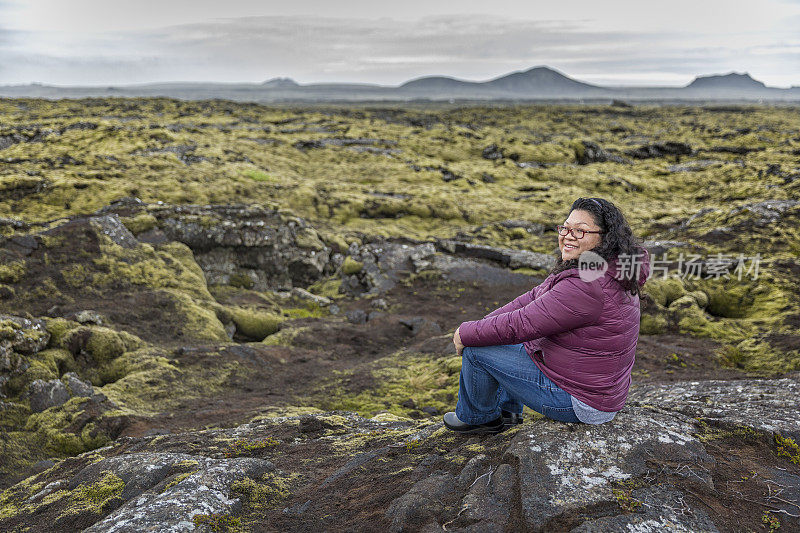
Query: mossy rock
<point>241,280</point>
<point>103,344</point>
<point>729,302</point>
<point>329,288</point>
<point>46,430</point>
<point>308,238</point>
<point>665,291</point>
<point>59,330</point>
<point>140,223</point>
<point>652,324</point>
<point>255,324</point>
<point>12,272</point>
<point>351,266</point>
<point>700,297</point>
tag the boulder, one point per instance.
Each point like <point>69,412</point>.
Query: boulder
<point>660,149</point>
<point>492,152</point>
<point>639,472</point>
<point>22,335</point>
<point>768,211</point>
<point>509,258</point>
<point>45,394</point>
<point>768,405</point>
<point>567,469</point>
<point>75,386</point>
<point>152,506</point>
<point>589,152</point>
<point>114,229</point>
<point>274,250</point>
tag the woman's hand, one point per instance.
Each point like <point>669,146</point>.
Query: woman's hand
<point>457,342</point>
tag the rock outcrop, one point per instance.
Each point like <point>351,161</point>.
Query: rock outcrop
<point>653,468</point>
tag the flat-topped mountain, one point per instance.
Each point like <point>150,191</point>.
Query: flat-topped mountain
<point>731,81</point>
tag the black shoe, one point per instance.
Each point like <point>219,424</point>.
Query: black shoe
<point>452,423</point>
<point>511,419</point>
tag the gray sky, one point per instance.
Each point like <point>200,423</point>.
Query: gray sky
<point>609,42</point>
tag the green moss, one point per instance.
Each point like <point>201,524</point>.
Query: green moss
<point>176,480</point>
<point>245,446</point>
<point>537,272</point>
<point>265,492</point>
<point>788,448</point>
<point>140,223</point>
<point>731,356</point>
<point>700,297</point>
<point>328,288</point>
<point>217,522</point>
<point>45,431</point>
<point>308,238</point>
<point>731,301</point>
<point>707,433</point>
<point>44,365</point>
<point>8,291</point>
<point>257,175</point>
<point>758,357</point>
<point>196,320</point>
<point>310,310</point>
<point>96,497</point>
<point>241,280</point>
<point>12,272</point>
<point>59,330</point>
<point>103,344</point>
<point>427,380</point>
<point>339,190</point>
<point>665,291</point>
<point>15,182</point>
<point>12,499</point>
<point>171,267</point>
<point>285,336</point>
<point>76,275</point>
<point>652,324</point>
<point>53,241</point>
<point>626,501</point>
<point>351,266</point>
<point>256,324</point>
<point>145,383</point>
<point>47,289</point>
<point>334,241</point>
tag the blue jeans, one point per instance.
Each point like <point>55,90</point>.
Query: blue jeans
<point>504,377</point>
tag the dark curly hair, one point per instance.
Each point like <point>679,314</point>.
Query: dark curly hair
<point>617,238</point>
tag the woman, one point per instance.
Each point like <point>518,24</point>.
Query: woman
<point>566,348</point>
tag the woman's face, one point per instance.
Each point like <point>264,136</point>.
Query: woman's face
<point>571,248</point>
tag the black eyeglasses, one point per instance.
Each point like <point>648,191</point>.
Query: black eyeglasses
<point>576,232</point>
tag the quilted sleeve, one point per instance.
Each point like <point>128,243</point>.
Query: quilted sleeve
<point>569,304</point>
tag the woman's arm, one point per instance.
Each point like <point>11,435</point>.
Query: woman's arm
<point>570,304</point>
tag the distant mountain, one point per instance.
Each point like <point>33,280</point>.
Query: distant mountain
<point>280,83</point>
<point>732,82</point>
<point>537,83</point>
<point>540,80</point>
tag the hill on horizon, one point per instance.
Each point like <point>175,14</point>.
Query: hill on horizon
<point>539,82</point>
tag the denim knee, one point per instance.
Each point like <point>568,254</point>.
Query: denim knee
<point>469,354</point>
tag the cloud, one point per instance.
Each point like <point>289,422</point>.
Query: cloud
<point>390,51</point>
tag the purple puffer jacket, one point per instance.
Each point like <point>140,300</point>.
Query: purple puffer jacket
<point>582,335</point>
